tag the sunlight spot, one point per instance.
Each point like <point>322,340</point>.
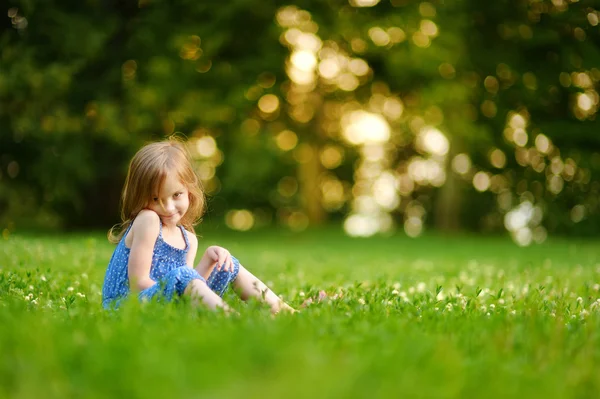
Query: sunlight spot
<point>360,127</point>
<point>363,3</point>
<point>379,36</point>
<point>303,60</point>
<point>358,66</point>
<point>329,68</point>
<point>359,225</point>
<point>429,28</point>
<point>433,141</point>
<point>268,103</point>
<point>498,159</point>
<point>348,82</point>
<point>286,140</point>
<point>413,226</point>
<point>481,181</point>
<point>461,164</point>
<point>542,143</point>
<point>332,156</point>
<point>241,220</point>
<point>577,213</point>
<point>206,146</point>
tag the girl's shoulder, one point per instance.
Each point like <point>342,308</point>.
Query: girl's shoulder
<point>193,239</point>
<point>146,224</point>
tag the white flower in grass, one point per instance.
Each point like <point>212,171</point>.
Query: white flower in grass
<point>70,289</point>
<point>395,292</point>
<point>449,307</point>
<point>361,301</point>
<point>80,295</point>
<point>492,306</point>
<point>513,312</point>
<point>43,278</point>
<point>421,287</point>
<point>34,301</point>
<point>584,313</point>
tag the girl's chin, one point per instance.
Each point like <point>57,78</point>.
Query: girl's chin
<point>170,220</point>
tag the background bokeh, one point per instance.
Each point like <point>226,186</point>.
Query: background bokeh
<point>378,115</point>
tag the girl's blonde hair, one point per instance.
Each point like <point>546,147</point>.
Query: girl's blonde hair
<point>146,174</point>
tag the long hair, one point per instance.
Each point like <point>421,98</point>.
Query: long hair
<point>147,171</point>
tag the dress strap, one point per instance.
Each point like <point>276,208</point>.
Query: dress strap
<point>159,227</point>
<point>185,237</point>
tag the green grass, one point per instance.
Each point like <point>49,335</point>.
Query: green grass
<point>434,317</point>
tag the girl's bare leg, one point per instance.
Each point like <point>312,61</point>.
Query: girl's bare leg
<point>248,286</point>
<point>199,293</point>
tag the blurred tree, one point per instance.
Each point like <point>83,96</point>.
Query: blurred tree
<point>455,114</point>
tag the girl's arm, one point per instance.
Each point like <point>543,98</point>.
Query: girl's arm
<point>145,230</point>
<point>191,255</point>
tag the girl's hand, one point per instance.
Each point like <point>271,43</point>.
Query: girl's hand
<point>218,257</point>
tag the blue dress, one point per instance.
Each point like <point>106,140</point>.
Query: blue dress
<point>169,269</point>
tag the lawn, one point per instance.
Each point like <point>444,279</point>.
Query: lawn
<point>434,317</point>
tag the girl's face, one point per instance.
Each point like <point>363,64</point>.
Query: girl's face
<point>172,202</point>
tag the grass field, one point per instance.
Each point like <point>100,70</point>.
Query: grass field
<point>435,317</point>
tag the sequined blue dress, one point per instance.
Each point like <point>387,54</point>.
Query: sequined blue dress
<point>169,269</point>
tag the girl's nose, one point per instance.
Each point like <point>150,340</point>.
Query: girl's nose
<point>169,206</point>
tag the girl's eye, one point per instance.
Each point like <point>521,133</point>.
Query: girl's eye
<point>177,195</point>
<point>155,199</point>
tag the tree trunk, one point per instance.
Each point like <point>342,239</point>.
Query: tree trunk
<point>309,171</point>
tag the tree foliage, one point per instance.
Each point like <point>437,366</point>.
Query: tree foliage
<point>270,87</point>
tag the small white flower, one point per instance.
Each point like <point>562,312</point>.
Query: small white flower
<point>30,288</point>
<point>395,292</point>
<point>513,312</point>
<point>34,301</point>
<point>43,278</point>
<point>396,285</point>
<point>449,307</point>
<point>421,287</point>
<point>579,299</point>
<point>492,306</point>
<point>70,289</point>
<point>361,301</point>
<point>302,294</point>
<point>80,295</point>
<point>501,301</point>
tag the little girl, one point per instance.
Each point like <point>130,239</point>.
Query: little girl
<point>156,245</point>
